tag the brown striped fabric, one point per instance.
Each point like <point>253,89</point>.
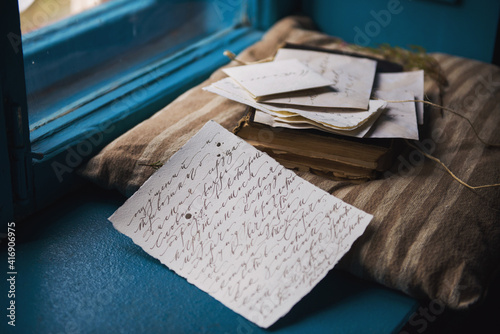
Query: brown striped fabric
<point>430,237</point>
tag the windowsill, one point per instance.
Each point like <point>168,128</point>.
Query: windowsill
<point>72,259</point>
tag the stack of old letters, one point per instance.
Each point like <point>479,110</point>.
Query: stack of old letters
<point>328,113</point>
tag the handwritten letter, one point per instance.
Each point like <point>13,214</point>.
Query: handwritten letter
<point>340,119</point>
<point>239,226</point>
<point>276,77</point>
<point>352,79</point>
<point>399,120</point>
<point>409,81</point>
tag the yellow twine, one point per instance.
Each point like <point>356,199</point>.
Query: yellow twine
<point>453,112</point>
<point>449,171</point>
<point>439,161</point>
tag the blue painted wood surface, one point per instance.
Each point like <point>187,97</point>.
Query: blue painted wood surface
<point>77,274</point>
<point>262,14</point>
<point>467,28</point>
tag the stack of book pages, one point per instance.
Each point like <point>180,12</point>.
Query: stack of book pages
<point>332,114</point>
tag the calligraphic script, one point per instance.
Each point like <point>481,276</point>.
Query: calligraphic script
<point>352,79</point>
<point>239,226</point>
<point>276,77</point>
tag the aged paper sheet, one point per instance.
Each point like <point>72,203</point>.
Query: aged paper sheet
<point>399,120</point>
<point>338,119</point>
<point>352,79</point>
<point>239,226</point>
<point>301,123</point>
<point>409,81</point>
<point>276,77</point>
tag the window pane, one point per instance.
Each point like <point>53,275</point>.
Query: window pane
<point>69,58</point>
<point>41,13</point>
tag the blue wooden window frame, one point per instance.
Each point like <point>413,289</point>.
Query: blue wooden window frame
<point>16,191</point>
<point>38,168</point>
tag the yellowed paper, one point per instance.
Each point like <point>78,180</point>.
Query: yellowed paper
<point>406,81</point>
<point>276,77</point>
<point>239,226</point>
<point>398,120</point>
<point>301,123</point>
<point>352,80</point>
<point>339,119</point>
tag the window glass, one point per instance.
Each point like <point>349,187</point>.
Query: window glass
<point>41,13</point>
<point>77,49</point>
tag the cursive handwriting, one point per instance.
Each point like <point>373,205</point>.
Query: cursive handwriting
<point>240,226</point>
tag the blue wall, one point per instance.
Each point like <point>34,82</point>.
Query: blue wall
<point>464,27</point>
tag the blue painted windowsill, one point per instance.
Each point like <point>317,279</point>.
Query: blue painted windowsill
<point>77,274</point>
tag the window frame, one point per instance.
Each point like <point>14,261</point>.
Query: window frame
<point>45,167</point>
<point>16,194</point>
<point>6,201</point>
